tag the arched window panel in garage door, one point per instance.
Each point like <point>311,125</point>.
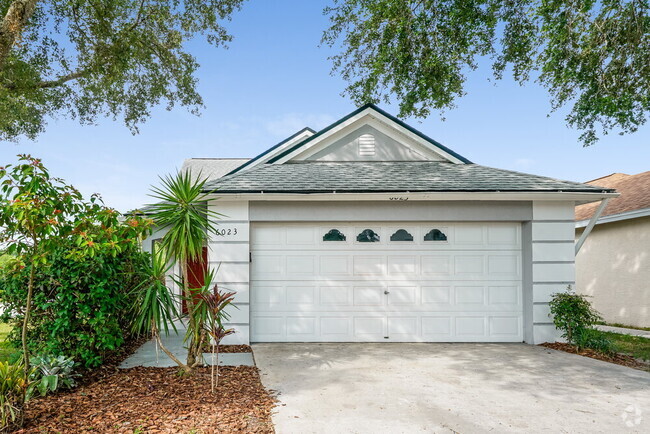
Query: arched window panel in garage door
<point>368,236</point>
<point>435,235</point>
<point>401,235</point>
<point>334,235</point>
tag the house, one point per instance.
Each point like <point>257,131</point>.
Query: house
<point>368,230</point>
<point>613,265</point>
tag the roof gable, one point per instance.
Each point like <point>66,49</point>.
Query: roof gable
<point>398,141</point>
<point>274,150</point>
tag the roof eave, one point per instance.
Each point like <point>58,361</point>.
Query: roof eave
<point>627,215</point>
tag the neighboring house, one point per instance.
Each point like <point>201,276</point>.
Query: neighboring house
<point>613,265</point>
<point>368,230</point>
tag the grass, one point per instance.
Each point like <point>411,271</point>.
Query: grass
<point>634,346</point>
<point>7,351</point>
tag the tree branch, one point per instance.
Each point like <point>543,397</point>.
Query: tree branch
<point>61,80</point>
<point>18,14</point>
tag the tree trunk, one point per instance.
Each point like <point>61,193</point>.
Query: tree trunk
<point>189,300</point>
<point>18,14</point>
<point>28,310</point>
<point>170,354</point>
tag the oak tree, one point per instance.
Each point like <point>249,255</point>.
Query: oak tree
<point>90,58</point>
<point>591,56</point>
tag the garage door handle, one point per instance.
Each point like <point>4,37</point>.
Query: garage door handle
<point>386,292</point>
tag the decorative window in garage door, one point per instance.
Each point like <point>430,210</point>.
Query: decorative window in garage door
<point>334,235</point>
<point>435,235</point>
<point>368,236</point>
<point>401,235</point>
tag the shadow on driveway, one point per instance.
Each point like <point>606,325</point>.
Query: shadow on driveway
<point>395,387</point>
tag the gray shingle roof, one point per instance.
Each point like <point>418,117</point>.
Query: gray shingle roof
<point>212,168</point>
<point>422,176</point>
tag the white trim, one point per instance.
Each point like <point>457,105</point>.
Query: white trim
<point>374,116</point>
<point>416,196</point>
<point>299,138</point>
<point>592,223</point>
<point>643,212</point>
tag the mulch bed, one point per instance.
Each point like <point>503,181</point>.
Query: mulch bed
<point>619,359</point>
<point>229,349</point>
<point>158,400</point>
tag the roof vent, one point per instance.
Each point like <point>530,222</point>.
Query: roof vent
<point>366,145</point>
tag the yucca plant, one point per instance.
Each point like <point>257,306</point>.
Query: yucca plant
<point>155,310</point>
<point>182,210</point>
<point>216,303</point>
<point>14,392</point>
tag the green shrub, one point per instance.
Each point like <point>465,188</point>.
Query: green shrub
<point>594,340</point>
<point>81,305</point>
<point>572,313</point>
<point>54,372</point>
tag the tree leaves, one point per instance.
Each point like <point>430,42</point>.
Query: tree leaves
<point>591,56</point>
<point>118,58</point>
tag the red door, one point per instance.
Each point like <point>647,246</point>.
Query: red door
<point>196,270</point>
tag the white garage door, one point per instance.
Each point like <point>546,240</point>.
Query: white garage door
<point>421,282</point>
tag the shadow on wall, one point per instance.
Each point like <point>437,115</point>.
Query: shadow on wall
<point>613,267</point>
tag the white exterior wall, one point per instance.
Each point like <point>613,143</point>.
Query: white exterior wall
<point>228,255</point>
<point>552,264</point>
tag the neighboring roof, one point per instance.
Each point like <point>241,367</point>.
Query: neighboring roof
<point>271,149</point>
<point>381,112</point>
<point>634,190</point>
<point>377,177</point>
<point>212,168</point>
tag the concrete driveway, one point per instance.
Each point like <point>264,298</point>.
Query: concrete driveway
<point>465,388</point>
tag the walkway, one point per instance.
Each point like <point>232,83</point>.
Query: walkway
<point>149,355</point>
<point>625,331</point>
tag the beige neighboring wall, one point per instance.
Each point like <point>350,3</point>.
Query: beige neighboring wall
<point>613,267</point>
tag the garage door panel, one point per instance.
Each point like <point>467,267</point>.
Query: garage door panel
<point>464,289</point>
<point>300,265</point>
<point>368,296</point>
<point>460,236</point>
<point>371,328</point>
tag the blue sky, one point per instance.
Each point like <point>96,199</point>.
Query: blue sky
<point>274,79</point>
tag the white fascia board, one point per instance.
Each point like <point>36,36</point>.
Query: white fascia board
<point>299,138</point>
<point>339,131</point>
<point>419,196</point>
<point>644,212</point>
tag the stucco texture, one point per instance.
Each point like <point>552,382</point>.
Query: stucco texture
<point>613,267</point>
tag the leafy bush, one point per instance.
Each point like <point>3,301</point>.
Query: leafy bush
<point>81,307</point>
<point>54,372</point>
<point>572,314</point>
<point>593,339</point>
<point>13,394</point>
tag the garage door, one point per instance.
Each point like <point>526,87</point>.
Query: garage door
<point>356,282</point>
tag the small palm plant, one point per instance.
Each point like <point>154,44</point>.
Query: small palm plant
<point>155,308</point>
<point>182,210</point>
<point>216,304</point>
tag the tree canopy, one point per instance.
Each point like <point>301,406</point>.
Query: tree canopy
<point>591,56</point>
<point>90,58</point>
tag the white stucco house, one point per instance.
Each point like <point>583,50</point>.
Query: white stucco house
<point>370,231</point>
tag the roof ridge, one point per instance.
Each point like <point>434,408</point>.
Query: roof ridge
<point>383,113</point>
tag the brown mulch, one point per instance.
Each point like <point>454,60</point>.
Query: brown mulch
<point>110,363</point>
<point>158,400</point>
<point>229,349</point>
<point>619,359</point>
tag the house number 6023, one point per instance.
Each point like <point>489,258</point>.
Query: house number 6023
<point>227,231</point>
